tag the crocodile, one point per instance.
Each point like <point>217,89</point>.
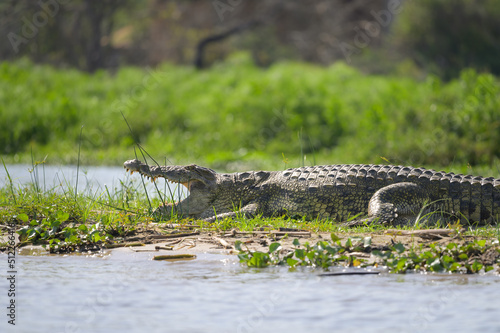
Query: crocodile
<point>358,194</point>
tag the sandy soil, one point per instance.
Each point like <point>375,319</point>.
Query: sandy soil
<point>193,241</point>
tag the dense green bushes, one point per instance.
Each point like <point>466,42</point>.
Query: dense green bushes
<point>235,112</point>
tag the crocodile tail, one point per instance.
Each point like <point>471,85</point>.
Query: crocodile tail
<point>475,200</point>
<point>495,202</point>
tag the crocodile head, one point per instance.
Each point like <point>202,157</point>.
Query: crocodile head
<point>201,183</point>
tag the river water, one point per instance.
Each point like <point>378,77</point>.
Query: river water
<point>85,179</point>
<point>125,291</point>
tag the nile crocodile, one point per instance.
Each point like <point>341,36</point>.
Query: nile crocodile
<point>384,193</point>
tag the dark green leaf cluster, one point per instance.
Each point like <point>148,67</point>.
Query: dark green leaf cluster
<point>48,232</point>
<point>452,258</point>
<point>322,254</point>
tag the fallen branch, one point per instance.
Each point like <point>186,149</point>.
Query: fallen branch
<point>280,232</point>
<point>292,233</point>
<point>175,257</point>
<point>158,248</point>
<point>427,233</point>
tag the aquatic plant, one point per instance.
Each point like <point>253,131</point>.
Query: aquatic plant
<point>50,233</point>
<point>471,257</point>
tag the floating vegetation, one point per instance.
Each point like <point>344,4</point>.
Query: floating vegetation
<point>50,234</point>
<point>476,256</point>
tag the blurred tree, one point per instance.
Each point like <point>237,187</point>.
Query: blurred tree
<point>310,30</point>
<point>76,33</point>
<point>440,36</point>
<point>445,37</point>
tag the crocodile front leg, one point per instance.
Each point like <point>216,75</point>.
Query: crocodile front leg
<point>248,211</point>
<point>395,204</point>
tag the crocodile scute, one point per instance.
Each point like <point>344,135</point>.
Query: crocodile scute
<point>360,194</point>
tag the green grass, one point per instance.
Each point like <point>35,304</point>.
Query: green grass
<point>235,116</point>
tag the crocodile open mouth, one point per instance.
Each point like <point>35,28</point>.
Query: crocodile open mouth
<point>198,181</point>
<point>182,193</point>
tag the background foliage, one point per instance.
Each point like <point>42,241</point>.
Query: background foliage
<point>238,113</point>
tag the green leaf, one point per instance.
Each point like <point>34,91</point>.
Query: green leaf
<point>400,248</point>
<point>274,246</point>
<point>427,255</point>
<point>401,264</point>
<point>450,246</point>
<point>476,266</point>
<point>348,243</point>
<point>55,225</point>
<point>23,217</point>
<point>62,216</point>
<point>481,242</point>
<point>296,242</point>
<point>383,255</point>
<point>436,266</point>
<point>83,228</point>
<point>292,262</point>
<point>31,233</point>
<point>243,257</point>
<point>259,260</point>
<point>454,267</point>
<point>300,253</point>
<point>447,259</point>
<point>96,237</point>
<point>334,237</point>
<point>331,250</point>
<point>71,239</point>
<point>321,245</point>
<point>237,245</point>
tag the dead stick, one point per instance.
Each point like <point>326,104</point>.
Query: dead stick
<point>426,232</point>
<point>223,242</point>
<point>174,257</point>
<point>175,235</point>
<point>291,233</point>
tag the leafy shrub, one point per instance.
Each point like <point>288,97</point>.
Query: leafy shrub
<point>235,112</point>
